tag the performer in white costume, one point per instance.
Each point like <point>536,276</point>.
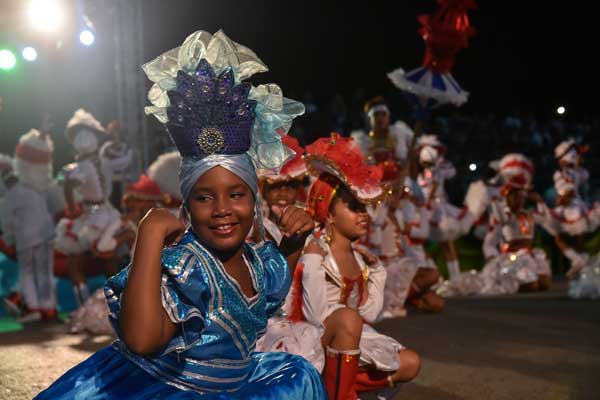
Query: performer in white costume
<point>88,185</point>
<point>340,287</point>
<point>117,240</point>
<point>28,224</point>
<point>570,181</point>
<point>513,264</point>
<point>385,144</point>
<point>448,222</point>
<point>574,217</point>
<point>569,156</point>
<point>399,228</point>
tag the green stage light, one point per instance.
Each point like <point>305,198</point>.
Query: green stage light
<point>7,59</point>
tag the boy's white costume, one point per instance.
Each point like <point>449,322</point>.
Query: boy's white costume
<point>402,254</point>
<point>398,141</point>
<point>576,217</point>
<point>92,316</point>
<point>447,221</point>
<point>92,174</point>
<point>27,222</point>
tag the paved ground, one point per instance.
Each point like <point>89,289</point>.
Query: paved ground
<point>541,346</point>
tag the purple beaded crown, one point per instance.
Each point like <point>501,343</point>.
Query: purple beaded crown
<point>209,114</point>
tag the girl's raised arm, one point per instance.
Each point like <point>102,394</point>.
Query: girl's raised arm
<point>144,323</point>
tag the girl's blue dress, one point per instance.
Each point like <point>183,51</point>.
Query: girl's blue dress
<point>211,356</point>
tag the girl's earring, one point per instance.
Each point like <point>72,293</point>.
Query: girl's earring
<point>328,237</point>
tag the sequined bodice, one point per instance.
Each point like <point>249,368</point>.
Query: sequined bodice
<point>218,324</point>
<point>518,227</point>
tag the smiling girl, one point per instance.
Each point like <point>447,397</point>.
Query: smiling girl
<point>342,288</point>
<point>188,316</point>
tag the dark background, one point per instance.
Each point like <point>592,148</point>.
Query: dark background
<point>528,57</point>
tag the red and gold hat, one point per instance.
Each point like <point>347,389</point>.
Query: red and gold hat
<point>145,189</point>
<point>429,142</point>
<point>516,171</point>
<point>295,169</point>
<point>35,147</point>
<point>336,161</point>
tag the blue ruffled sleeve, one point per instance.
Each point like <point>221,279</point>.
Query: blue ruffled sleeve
<point>277,276</point>
<point>183,295</point>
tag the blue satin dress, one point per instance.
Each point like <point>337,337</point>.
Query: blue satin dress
<point>212,354</point>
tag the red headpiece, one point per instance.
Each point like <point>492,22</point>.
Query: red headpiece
<point>35,147</point>
<point>144,189</point>
<point>516,171</point>
<point>337,160</point>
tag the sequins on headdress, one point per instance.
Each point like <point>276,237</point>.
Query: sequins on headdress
<point>209,114</point>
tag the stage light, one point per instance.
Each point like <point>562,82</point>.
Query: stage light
<point>561,110</point>
<point>29,53</point>
<point>86,37</point>
<point>7,59</point>
<point>472,167</point>
<point>45,15</point>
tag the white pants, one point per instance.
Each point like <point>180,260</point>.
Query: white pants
<point>37,276</point>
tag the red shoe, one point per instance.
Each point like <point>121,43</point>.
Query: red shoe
<point>49,314</point>
<point>373,380</point>
<point>341,367</point>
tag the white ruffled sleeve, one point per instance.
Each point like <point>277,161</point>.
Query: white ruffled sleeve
<point>314,290</point>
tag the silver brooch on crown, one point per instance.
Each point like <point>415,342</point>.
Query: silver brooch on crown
<point>211,140</point>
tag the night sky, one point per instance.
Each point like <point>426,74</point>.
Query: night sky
<point>530,57</point>
<point>523,57</point>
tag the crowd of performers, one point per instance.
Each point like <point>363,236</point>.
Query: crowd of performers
<point>219,310</point>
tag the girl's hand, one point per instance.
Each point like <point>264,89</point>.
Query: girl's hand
<point>313,248</point>
<point>293,222</point>
<point>160,222</point>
